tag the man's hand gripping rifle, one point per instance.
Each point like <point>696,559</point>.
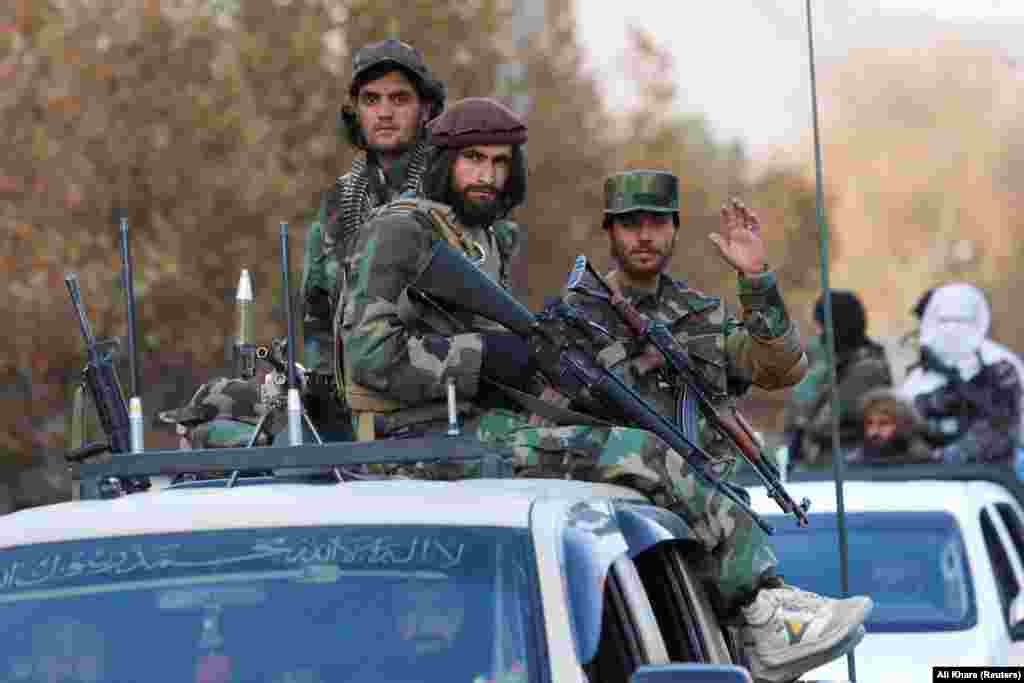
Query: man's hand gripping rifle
<point>560,341</point>
<point>730,424</point>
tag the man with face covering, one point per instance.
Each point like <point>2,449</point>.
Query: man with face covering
<point>968,391</point>
<point>861,366</point>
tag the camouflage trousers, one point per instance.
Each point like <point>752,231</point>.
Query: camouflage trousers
<point>737,549</point>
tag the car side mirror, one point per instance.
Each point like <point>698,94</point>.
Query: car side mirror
<point>1015,618</point>
<point>690,673</point>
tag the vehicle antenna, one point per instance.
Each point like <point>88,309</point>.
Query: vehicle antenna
<point>838,463</point>
<point>135,417</point>
<point>294,400</point>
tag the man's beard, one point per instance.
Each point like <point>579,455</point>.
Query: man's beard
<point>474,212</point>
<point>620,257</point>
<point>878,449</point>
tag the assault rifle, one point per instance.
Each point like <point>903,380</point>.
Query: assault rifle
<point>561,342</point>
<point>100,379</point>
<point>732,424</point>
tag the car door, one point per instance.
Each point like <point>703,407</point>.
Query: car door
<point>663,548</point>
<point>630,637</point>
<point>1006,518</point>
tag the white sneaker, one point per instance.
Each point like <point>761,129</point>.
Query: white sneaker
<point>791,631</point>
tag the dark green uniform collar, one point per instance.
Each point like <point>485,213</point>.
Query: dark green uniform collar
<point>395,176</point>
<point>646,297</point>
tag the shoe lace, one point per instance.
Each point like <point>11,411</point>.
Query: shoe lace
<point>797,598</point>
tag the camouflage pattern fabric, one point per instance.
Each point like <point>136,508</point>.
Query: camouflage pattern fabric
<point>223,413</point>
<point>392,356</point>
<point>738,552</point>
<point>329,242</point>
<point>858,371</point>
<point>730,355</point>
<point>983,413</point>
<point>225,433</point>
<point>398,357</point>
<point>763,349</point>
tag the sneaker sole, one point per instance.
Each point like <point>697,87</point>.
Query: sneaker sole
<point>791,673</point>
<point>827,648</point>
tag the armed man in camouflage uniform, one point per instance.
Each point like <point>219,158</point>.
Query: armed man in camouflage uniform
<point>398,369</point>
<point>786,631</point>
<point>393,95</point>
<point>397,366</point>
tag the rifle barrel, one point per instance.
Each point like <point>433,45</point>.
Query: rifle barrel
<point>129,288</point>
<point>71,280</point>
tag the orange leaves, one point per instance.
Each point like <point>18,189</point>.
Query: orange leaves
<point>64,104</point>
<point>22,230</point>
<point>102,71</point>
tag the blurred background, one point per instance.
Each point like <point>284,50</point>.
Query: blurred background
<point>205,123</point>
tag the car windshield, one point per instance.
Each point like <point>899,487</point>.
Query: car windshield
<point>285,605</point>
<point>912,564</point>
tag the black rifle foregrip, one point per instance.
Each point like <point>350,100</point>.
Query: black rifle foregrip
<point>105,389</point>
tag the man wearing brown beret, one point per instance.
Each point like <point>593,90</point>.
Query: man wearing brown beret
<point>396,367</point>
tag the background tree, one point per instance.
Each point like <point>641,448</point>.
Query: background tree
<point>206,124</point>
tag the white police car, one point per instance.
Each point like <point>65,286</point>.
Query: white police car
<point>298,579</point>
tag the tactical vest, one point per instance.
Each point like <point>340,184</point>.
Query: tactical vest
<point>371,407</point>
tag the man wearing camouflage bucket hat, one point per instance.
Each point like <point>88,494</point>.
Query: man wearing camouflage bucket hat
<point>223,413</point>
<point>786,631</point>
<point>392,96</point>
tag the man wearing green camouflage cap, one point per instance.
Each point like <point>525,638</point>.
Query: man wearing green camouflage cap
<point>223,413</point>
<point>786,631</point>
<point>392,96</point>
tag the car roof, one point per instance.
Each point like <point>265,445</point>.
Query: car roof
<point>875,496</point>
<point>471,502</point>
<point>995,475</point>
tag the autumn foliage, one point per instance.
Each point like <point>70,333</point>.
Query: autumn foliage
<point>207,124</point>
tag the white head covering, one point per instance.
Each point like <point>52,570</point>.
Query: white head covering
<point>955,326</point>
<point>955,322</point>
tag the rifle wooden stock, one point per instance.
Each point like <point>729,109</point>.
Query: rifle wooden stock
<point>743,438</point>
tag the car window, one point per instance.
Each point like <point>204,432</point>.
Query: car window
<point>673,607</point>
<point>313,604</point>
<point>912,564</point>
<point>1006,581</point>
<point>620,649</point>
<point>1014,525</point>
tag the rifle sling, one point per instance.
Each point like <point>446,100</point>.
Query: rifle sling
<point>558,415</point>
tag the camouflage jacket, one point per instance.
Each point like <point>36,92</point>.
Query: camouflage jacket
<point>857,372</point>
<point>761,349</point>
<point>976,420</point>
<point>393,360</point>
<point>329,242</point>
